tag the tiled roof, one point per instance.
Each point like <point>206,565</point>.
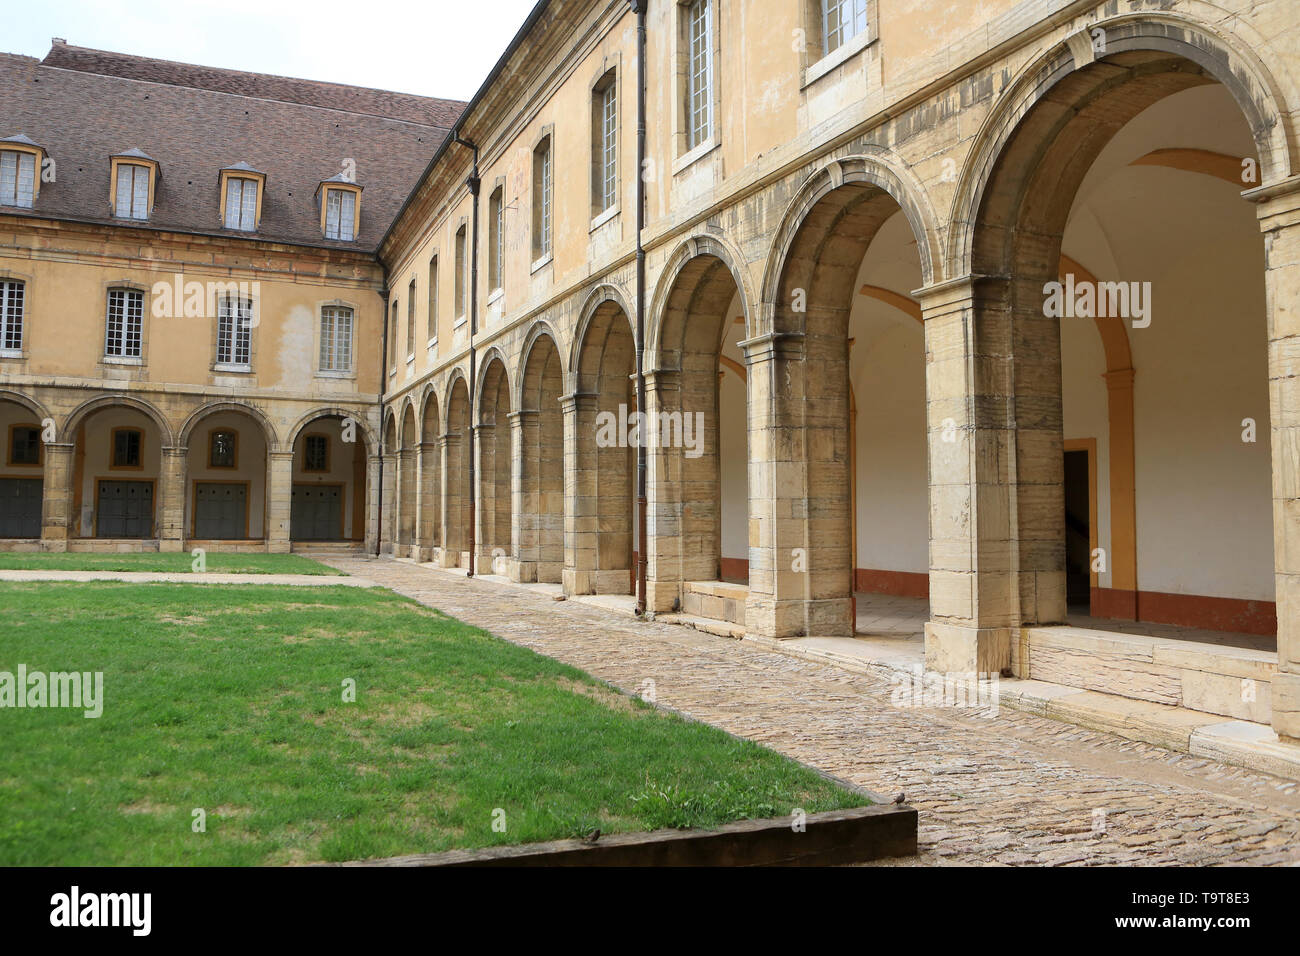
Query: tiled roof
<point>83,106</point>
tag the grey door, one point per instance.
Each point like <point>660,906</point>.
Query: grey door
<point>20,507</point>
<point>220,510</point>
<point>124,509</point>
<point>317,513</point>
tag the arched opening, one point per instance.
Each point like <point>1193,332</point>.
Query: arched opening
<point>599,551</point>
<point>540,554</point>
<point>226,468</point>
<point>455,479</point>
<point>843,288</point>
<point>698,423</point>
<point>493,442</point>
<point>430,516</point>
<point>407,439</point>
<point>329,481</point>
<point>117,474</point>
<point>22,471</point>
<point>1134,330</point>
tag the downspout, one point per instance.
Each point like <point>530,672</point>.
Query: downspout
<point>383,387</point>
<point>473,183</point>
<point>639,7</point>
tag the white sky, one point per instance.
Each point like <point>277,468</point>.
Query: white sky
<point>431,47</point>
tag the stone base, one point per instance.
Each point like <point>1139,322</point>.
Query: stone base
<point>957,649</point>
<point>1286,705</point>
<point>769,617</point>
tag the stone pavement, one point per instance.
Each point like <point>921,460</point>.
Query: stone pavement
<point>1010,789</point>
<point>182,577</point>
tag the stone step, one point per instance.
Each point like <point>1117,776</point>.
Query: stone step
<point>715,599</point>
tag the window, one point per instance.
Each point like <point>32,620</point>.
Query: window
<point>241,203</point>
<point>122,330</point>
<point>842,20</point>
<point>11,316</point>
<point>234,330</point>
<point>340,214</point>
<point>432,319</point>
<point>132,199</point>
<point>393,339</point>
<point>542,199</point>
<point>222,444</point>
<point>699,73</point>
<point>604,141</point>
<point>24,445</point>
<point>410,320</point>
<point>496,240</point>
<point>459,278</point>
<point>127,444</point>
<point>316,453</point>
<point>335,339</point>
<point>17,178</point>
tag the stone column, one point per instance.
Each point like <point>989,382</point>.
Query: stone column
<point>1279,216</point>
<point>428,500</point>
<point>453,479</point>
<point>993,408</point>
<point>279,501</point>
<point>171,499</point>
<point>388,541</point>
<point>581,518</point>
<point>407,504</point>
<point>56,493</point>
<point>525,491</point>
<point>663,500</point>
<point>373,465</point>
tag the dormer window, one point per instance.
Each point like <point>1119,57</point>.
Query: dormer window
<point>241,197</point>
<point>20,171</point>
<point>340,208</point>
<point>131,189</point>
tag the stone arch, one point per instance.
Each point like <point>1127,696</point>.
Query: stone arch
<point>78,416</point>
<point>455,476</point>
<point>26,401</point>
<point>407,439</point>
<point>429,519</point>
<point>494,446</point>
<point>1067,72</point>
<point>492,354</point>
<point>333,411</point>
<point>876,168</point>
<point>243,408</point>
<point>540,329</point>
<point>539,518</point>
<point>600,300</point>
<point>213,499</point>
<point>686,252</point>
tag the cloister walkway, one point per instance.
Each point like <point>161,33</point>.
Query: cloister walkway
<point>1007,789</point>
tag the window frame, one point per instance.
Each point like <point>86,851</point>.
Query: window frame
<point>112,448</point>
<point>37,161</point>
<point>231,363</point>
<point>7,318</point>
<point>306,441</point>
<point>234,448</point>
<point>543,198</point>
<point>410,320</point>
<point>123,336</point>
<point>331,191</point>
<point>335,311</point>
<point>245,175</point>
<point>496,239</point>
<point>135,164</point>
<point>697,135</point>
<point>459,281</point>
<point>13,462</point>
<point>605,145</point>
<point>431,317</point>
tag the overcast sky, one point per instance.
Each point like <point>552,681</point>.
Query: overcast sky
<point>431,47</point>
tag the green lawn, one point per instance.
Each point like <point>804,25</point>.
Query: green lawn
<point>175,562</point>
<point>229,699</point>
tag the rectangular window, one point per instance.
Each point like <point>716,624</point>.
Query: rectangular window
<point>607,145</point>
<point>234,330</point>
<point>335,339</point>
<point>393,337</point>
<point>123,328</point>
<point>542,199</point>
<point>126,447</point>
<point>17,178</point>
<point>132,200</point>
<point>496,238</point>
<point>340,214</point>
<point>25,445</point>
<point>410,320</point>
<point>459,278</point>
<point>699,73</point>
<point>316,453</point>
<point>432,320</point>
<point>11,316</point>
<point>842,20</point>
<point>221,449</point>
<point>241,204</point>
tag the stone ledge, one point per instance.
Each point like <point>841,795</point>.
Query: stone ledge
<point>832,838</point>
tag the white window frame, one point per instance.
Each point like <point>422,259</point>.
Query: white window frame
<point>234,333</point>
<point>13,307</point>
<point>496,238</point>
<point>700,73</point>
<point>137,205</point>
<point>835,15</point>
<point>241,211</point>
<point>124,324</point>
<point>336,330</point>
<point>18,174</point>
<point>543,196</point>
<point>340,214</point>
<point>608,145</point>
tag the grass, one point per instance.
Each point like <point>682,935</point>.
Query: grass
<point>171,562</point>
<point>229,699</point>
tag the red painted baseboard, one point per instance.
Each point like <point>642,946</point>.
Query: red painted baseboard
<point>912,584</point>
<point>1187,610</point>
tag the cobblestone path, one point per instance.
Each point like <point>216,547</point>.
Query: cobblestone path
<point>1010,789</point>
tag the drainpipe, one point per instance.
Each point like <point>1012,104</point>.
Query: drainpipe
<point>639,7</point>
<point>473,183</point>
<point>383,387</point>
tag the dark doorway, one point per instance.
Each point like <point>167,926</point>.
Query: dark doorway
<point>1078,530</point>
<point>20,507</point>
<point>124,509</point>
<point>316,513</point>
<point>220,510</point>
